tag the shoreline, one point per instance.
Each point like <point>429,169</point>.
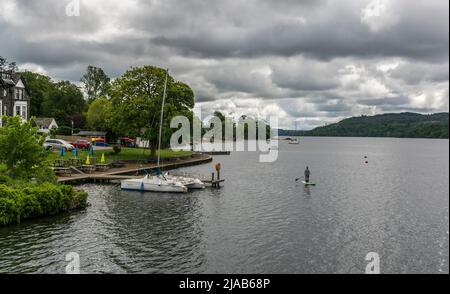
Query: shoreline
<point>135,168</point>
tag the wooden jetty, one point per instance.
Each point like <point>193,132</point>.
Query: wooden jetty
<point>95,178</point>
<point>213,183</point>
<point>127,173</point>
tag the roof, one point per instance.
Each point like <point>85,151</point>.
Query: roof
<point>13,79</point>
<point>8,82</point>
<point>44,122</point>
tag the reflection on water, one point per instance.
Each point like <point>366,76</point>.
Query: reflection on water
<point>307,191</point>
<point>262,221</point>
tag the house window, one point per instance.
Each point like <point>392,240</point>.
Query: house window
<point>24,112</point>
<point>20,109</point>
<point>19,94</point>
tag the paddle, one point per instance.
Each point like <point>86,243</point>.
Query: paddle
<point>299,179</point>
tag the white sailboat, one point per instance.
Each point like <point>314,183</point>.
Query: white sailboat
<point>154,184</point>
<point>158,183</point>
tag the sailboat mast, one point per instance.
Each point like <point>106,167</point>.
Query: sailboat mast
<point>162,117</point>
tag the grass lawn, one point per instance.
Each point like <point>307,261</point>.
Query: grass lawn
<point>125,154</point>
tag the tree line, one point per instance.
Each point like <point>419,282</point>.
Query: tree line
<point>399,125</point>
<point>129,105</point>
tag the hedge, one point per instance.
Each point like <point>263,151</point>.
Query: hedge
<point>17,204</point>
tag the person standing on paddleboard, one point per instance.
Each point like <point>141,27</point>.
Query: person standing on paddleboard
<point>307,174</point>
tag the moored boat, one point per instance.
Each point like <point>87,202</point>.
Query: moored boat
<point>189,182</point>
<point>154,184</point>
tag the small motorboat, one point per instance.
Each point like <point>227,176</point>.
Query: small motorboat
<point>189,182</point>
<point>294,142</point>
<point>154,184</point>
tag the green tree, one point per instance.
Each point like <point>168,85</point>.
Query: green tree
<point>137,100</point>
<point>95,82</point>
<point>65,103</point>
<point>21,148</point>
<point>99,114</point>
<point>39,87</point>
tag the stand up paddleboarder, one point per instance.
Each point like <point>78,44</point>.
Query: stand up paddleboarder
<point>307,174</point>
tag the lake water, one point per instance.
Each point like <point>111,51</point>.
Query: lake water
<point>262,221</point>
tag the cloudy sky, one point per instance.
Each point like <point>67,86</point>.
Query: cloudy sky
<point>309,62</point>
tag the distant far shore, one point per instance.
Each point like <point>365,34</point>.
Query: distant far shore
<point>390,125</point>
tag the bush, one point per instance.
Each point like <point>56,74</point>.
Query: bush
<point>8,211</point>
<point>64,131</point>
<point>117,149</point>
<point>36,200</point>
<point>45,174</point>
<point>21,151</point>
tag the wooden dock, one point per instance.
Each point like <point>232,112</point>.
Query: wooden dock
<point>127,173</point>
<point>213,183</point>
<point>95,178</point>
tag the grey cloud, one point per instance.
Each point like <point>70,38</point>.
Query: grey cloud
<point>313,59</point>
<point>334,106</point>
<point>324,35</point>
<point>393,101</point>
<point>414,73</point>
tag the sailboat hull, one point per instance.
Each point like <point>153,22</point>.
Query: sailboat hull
<point>147,186</point>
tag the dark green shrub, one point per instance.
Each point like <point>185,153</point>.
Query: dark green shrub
<point>7,192</point>
<point>4,179</point>
<point>64,131</point>
<point>28,207</point>
<point>117,149</point>
<point>8,211</point>
<point>25,200</point>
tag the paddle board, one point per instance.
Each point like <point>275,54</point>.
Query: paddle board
<point>308,184</point>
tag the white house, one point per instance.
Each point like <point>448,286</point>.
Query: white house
<point>46,124</point>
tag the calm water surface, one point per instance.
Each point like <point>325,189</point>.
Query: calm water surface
<point>262,221</point>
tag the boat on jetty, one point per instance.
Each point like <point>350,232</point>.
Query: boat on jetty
<point>189,182</point>
<point>154,184</point>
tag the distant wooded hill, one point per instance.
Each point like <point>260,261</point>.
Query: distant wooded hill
<point>400,125</point>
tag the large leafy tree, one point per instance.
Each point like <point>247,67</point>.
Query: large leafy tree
<point>65,103</point>
<point>99,113</point>
<point>21,148</point>
<point>39,87</point>
<point>95,82</point>
<point>137,100</point>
